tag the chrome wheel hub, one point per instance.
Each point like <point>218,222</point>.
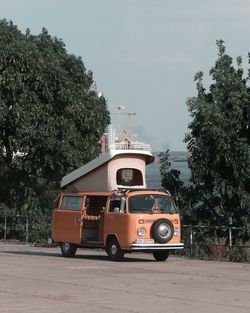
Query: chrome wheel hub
<point>113,249</point>
<point>164,230</point>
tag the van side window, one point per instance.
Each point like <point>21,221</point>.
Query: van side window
<point>129,177</point>
<point>94,204</point>
<point>71,203</point>
<point>114,203</point>
<point>117,205</point>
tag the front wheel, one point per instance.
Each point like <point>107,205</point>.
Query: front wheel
<point>161,255</point>
<point>113,250</point>
<point>68,249</point>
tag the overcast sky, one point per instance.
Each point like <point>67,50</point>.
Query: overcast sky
<point>143,53</point>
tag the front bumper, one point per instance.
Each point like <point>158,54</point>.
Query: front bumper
<point>156,246</point>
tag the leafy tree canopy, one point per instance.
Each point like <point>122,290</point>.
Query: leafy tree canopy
<point>50,120</point>
<point>219,144</point>
<point>170,178</point>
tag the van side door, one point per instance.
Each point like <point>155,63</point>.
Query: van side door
<point>116,221</point>
<point>67,220</point>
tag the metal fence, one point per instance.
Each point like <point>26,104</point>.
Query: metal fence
<point>25,228</point>
<point>223,243</point>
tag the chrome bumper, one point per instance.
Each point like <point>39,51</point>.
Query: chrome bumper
<point>157,246</point>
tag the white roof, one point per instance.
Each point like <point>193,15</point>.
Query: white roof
<point>104,158</point>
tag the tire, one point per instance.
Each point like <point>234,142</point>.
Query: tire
<point>161,255</point>
<point>68,249</point>
<point>113,250</point>
<point>163,230</point>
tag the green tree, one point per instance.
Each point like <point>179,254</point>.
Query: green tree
<point>170,178</point>
<point>219,144</point>
<point>50,120</point>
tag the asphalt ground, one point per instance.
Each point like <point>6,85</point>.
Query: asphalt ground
<point>34,279</point>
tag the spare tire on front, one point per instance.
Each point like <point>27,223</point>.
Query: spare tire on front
<point>162,230</point>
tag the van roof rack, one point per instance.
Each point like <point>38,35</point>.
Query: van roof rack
<point>138,189</point>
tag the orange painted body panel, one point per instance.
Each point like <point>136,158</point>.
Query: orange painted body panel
<point>68,226</point>
<point>124,227</point>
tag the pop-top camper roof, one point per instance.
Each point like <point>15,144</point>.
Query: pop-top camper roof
<point>112,170</point>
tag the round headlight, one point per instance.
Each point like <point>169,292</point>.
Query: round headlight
<point>177,232</point>
<point>141,231</point>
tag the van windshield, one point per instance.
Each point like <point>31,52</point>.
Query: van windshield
<point>151,204</point>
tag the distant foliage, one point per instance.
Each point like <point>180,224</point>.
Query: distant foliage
<point>219,145</point>
<point>50,120</point>
<point>170,178</point>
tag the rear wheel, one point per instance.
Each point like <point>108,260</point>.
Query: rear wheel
<point>113,250</point>
<point>68,249</point>
<point>161,255</point>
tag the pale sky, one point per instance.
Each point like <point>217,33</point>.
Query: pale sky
<point>143,53</point>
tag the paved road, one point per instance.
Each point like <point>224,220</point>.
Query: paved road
<point>40,280</point>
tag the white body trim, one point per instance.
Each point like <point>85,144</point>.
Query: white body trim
<point>157,246</point>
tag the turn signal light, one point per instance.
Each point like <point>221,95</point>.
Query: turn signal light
<point>141,221</point>
<point>176,221</point>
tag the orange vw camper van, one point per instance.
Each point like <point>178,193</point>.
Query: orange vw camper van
<point>121,215</point>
